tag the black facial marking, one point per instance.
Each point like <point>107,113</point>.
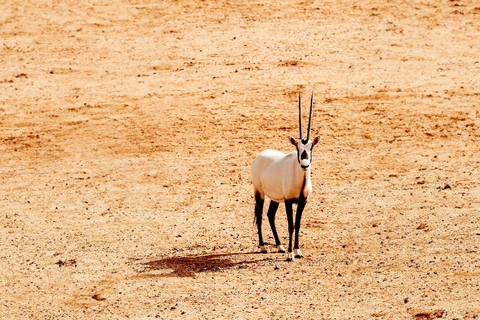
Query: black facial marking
<point>304,155</point>
<point>298,152</point>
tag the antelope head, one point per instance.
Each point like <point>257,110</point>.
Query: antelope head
<point>304,146</point>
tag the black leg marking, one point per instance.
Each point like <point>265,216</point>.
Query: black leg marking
<point>272,210</point>
<point>258,217</point>
<point>298,218</point>
<point>289,209</point>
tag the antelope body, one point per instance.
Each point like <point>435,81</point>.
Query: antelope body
<point>284,178</point>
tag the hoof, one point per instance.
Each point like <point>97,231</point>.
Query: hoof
<point>263,249</point>
<point>298,253</point>
<point>290,257</point>
<point>281,249</point>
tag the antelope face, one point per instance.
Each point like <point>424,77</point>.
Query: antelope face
<point>304,151</point>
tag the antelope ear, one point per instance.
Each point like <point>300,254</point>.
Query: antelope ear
<point>315,141</point>
<point>293,141</point>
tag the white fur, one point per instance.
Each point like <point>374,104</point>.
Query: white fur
<point>280,177</point>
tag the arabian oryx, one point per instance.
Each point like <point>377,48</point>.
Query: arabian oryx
<point>284,178</point>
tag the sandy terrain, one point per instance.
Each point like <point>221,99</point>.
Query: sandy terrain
<point>127,130</point>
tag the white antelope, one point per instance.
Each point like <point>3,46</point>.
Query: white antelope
<point>284,178</point>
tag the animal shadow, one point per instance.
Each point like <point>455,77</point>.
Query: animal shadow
<point>189,266</point>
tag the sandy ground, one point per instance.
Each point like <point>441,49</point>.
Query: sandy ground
<point>127,130</point>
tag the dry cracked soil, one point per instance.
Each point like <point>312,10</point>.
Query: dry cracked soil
<point>127,130</point>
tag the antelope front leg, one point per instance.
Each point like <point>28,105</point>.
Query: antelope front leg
<point>298,218</point>
<point>289,209</point>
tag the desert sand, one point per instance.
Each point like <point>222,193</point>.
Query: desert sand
<point>127,130</point>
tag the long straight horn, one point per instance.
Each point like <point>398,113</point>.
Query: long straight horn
<point>310,118</point>
<point>300,114</point>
